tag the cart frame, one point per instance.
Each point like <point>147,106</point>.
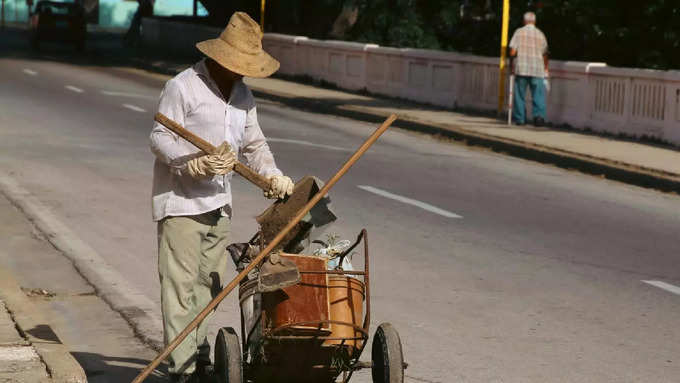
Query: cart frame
<point>354,363</point>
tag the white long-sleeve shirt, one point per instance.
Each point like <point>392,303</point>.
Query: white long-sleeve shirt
<point>193,100</point>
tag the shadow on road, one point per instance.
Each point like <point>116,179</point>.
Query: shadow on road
<point>45,333</point>
<point>107,369</point>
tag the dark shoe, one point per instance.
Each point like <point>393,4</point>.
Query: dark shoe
<point>184,378</point>
<point>538,122</point>
<point>205,372</point>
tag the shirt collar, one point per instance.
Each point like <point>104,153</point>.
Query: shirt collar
<point>202,71</point>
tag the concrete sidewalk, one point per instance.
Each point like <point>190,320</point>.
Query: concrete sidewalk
<point>30,351</point>
<point>628,161</point>
<point>19,361</point>
<point>73,331</point>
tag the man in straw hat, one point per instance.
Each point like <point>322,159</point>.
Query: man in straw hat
<point>191,191</point>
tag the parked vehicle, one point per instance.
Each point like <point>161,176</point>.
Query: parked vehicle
<point>58,22</point>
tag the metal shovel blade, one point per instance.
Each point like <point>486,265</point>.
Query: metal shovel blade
<point>277,216</point>
<point>277,273</point>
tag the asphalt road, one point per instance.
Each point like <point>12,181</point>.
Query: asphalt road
<point>494,270</point>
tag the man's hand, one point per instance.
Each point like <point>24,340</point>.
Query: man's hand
<point>281,186</point>
<point>220,163</point>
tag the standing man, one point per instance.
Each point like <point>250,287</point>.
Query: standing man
<point>529,55</point>
<point>191,191</point>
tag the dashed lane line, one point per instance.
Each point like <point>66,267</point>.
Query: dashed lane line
<point>74,88</point>
<point>126,94</point>
<point>307,143</point>
<point>409,201</point>
<point>664,286</point>
<point>30,72</point>
<point>134,108</point>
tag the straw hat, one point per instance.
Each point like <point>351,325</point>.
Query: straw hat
<point>239,48</point>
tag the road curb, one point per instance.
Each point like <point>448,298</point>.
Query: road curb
<point>631,174</point>
<point>32,323</point>
<point>138,310</point>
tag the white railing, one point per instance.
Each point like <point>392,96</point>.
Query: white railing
<point>634,102</point>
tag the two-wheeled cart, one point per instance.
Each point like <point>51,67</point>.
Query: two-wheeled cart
<point>314,331</point>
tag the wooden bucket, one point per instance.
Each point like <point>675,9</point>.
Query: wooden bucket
<point>346,295</point>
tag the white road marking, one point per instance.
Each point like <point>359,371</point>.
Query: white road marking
<point>74,88</point>
<point>664,286</point>
<point>18,353</point>
<point>125,94</point>
<point>307,143</point>
<point>409,201</point>
<point>133,107</point>
<point>30,72</point>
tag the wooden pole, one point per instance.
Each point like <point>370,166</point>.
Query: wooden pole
<point>246,172</point>
<point>504,52</point>
<point>243,274</point>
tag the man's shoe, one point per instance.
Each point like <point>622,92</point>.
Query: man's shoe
<point>538,122</point>
<point>205,372</point>
<point>184,378</point>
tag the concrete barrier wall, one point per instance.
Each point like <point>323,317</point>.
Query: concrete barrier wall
<point>635,102</point>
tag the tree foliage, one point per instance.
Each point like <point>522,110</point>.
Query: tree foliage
<point>620,32</point>
<point>631,33</point>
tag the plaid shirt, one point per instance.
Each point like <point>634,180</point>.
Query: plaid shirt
<point>193,100</point>
<point>531,45</point>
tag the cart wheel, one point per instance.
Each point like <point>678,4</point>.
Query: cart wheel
<point>228,365</point>
<point>388,359</point>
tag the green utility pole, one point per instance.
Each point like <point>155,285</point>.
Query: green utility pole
<point>504,52</point>
<point>2,15</point>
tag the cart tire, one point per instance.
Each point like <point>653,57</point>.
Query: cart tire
<point>228,363</point>
<point>387,356</point>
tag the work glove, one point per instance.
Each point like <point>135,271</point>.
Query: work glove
<point>209,165</point>
<point>280,187</point>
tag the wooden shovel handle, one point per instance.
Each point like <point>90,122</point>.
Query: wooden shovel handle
<point>252,176</point>
<point>208,148</point>
<point>243,274</point>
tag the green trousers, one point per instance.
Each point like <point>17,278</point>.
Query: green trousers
<point>191,250</point>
